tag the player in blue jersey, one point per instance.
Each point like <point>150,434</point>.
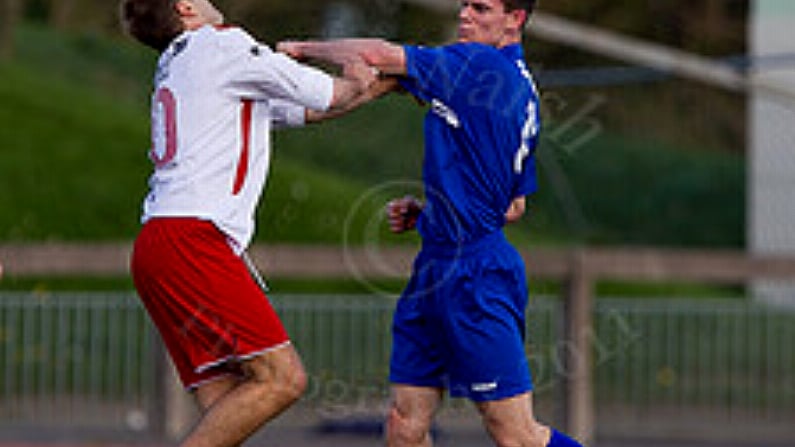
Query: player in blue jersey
<point>460,322</point>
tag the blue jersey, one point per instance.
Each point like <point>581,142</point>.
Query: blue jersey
<point>480,136</point>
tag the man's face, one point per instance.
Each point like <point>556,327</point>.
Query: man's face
<point>485,21</point>
<point>206,12</point>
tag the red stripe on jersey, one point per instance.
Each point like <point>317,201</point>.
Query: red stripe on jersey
<point>245,128</point>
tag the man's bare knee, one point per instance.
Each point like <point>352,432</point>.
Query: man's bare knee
<point>294,383</point>
<point>503,435</point>
<point>403,430</point>
<point>511,422</point>
<point>517,435</point>
<point>278,375</point>
<point>209,393</point>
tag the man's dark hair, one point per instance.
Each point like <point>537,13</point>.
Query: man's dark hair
<point>527,5</point>
<point>154,23</point>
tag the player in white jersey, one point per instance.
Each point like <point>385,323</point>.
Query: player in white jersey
<point>217,94</point>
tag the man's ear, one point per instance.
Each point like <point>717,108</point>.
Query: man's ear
<point>518,18</point>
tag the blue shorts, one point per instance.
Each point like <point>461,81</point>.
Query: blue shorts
<point>460,323</point>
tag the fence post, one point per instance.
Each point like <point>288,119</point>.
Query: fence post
<point>172,409</point>
<point>580,415</point>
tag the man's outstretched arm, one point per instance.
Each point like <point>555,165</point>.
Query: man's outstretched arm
<point>387,57</point>
<point>375,90</point>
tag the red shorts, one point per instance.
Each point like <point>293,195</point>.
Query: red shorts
<point>210,312</point>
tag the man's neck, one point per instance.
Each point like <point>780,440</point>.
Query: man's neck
<point>510,39</point>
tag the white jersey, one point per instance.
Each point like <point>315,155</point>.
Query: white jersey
<point>218,92</point>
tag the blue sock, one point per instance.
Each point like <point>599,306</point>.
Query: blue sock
<point>558,439</point>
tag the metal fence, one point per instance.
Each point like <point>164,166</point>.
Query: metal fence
<point>694,368</point>
<point>700,369</point>
<point>74,360</point>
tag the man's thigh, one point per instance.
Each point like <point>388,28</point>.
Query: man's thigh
<point>482,322</point>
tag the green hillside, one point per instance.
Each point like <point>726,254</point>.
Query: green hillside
<point>73,166</point>
<point>616,189</point>
<point>79,173</point>
<point>72,160</point>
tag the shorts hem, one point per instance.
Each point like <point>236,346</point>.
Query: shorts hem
<point>199,383</point>
<point>491,397</point>
<point>215,363</point>
<point>416,383</point>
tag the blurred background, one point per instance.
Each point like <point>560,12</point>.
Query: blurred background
<point>646,157</point>
<point>668,131</point>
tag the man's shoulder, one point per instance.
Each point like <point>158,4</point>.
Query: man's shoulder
<point>466,55</point>
<point>457,48</point>
<point>470,49</point>
<point>225,36</point>
<point>480,55</point>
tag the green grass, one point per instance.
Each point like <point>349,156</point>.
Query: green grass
<point>613,190</point>
<point>634,192</point>
<point>308,205</point>
<point>65,284</point>
<point>74,168</point>
<point>112,66</point>
<point>73,165</point>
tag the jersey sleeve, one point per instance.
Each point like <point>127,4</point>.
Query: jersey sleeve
<point>287,114</point>
<point>438,72</point>
<point>257,72</point>
<point>527,183</point>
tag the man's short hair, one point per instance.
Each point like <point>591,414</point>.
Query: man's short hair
<point>154,23</point>
<point>527,5</point>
